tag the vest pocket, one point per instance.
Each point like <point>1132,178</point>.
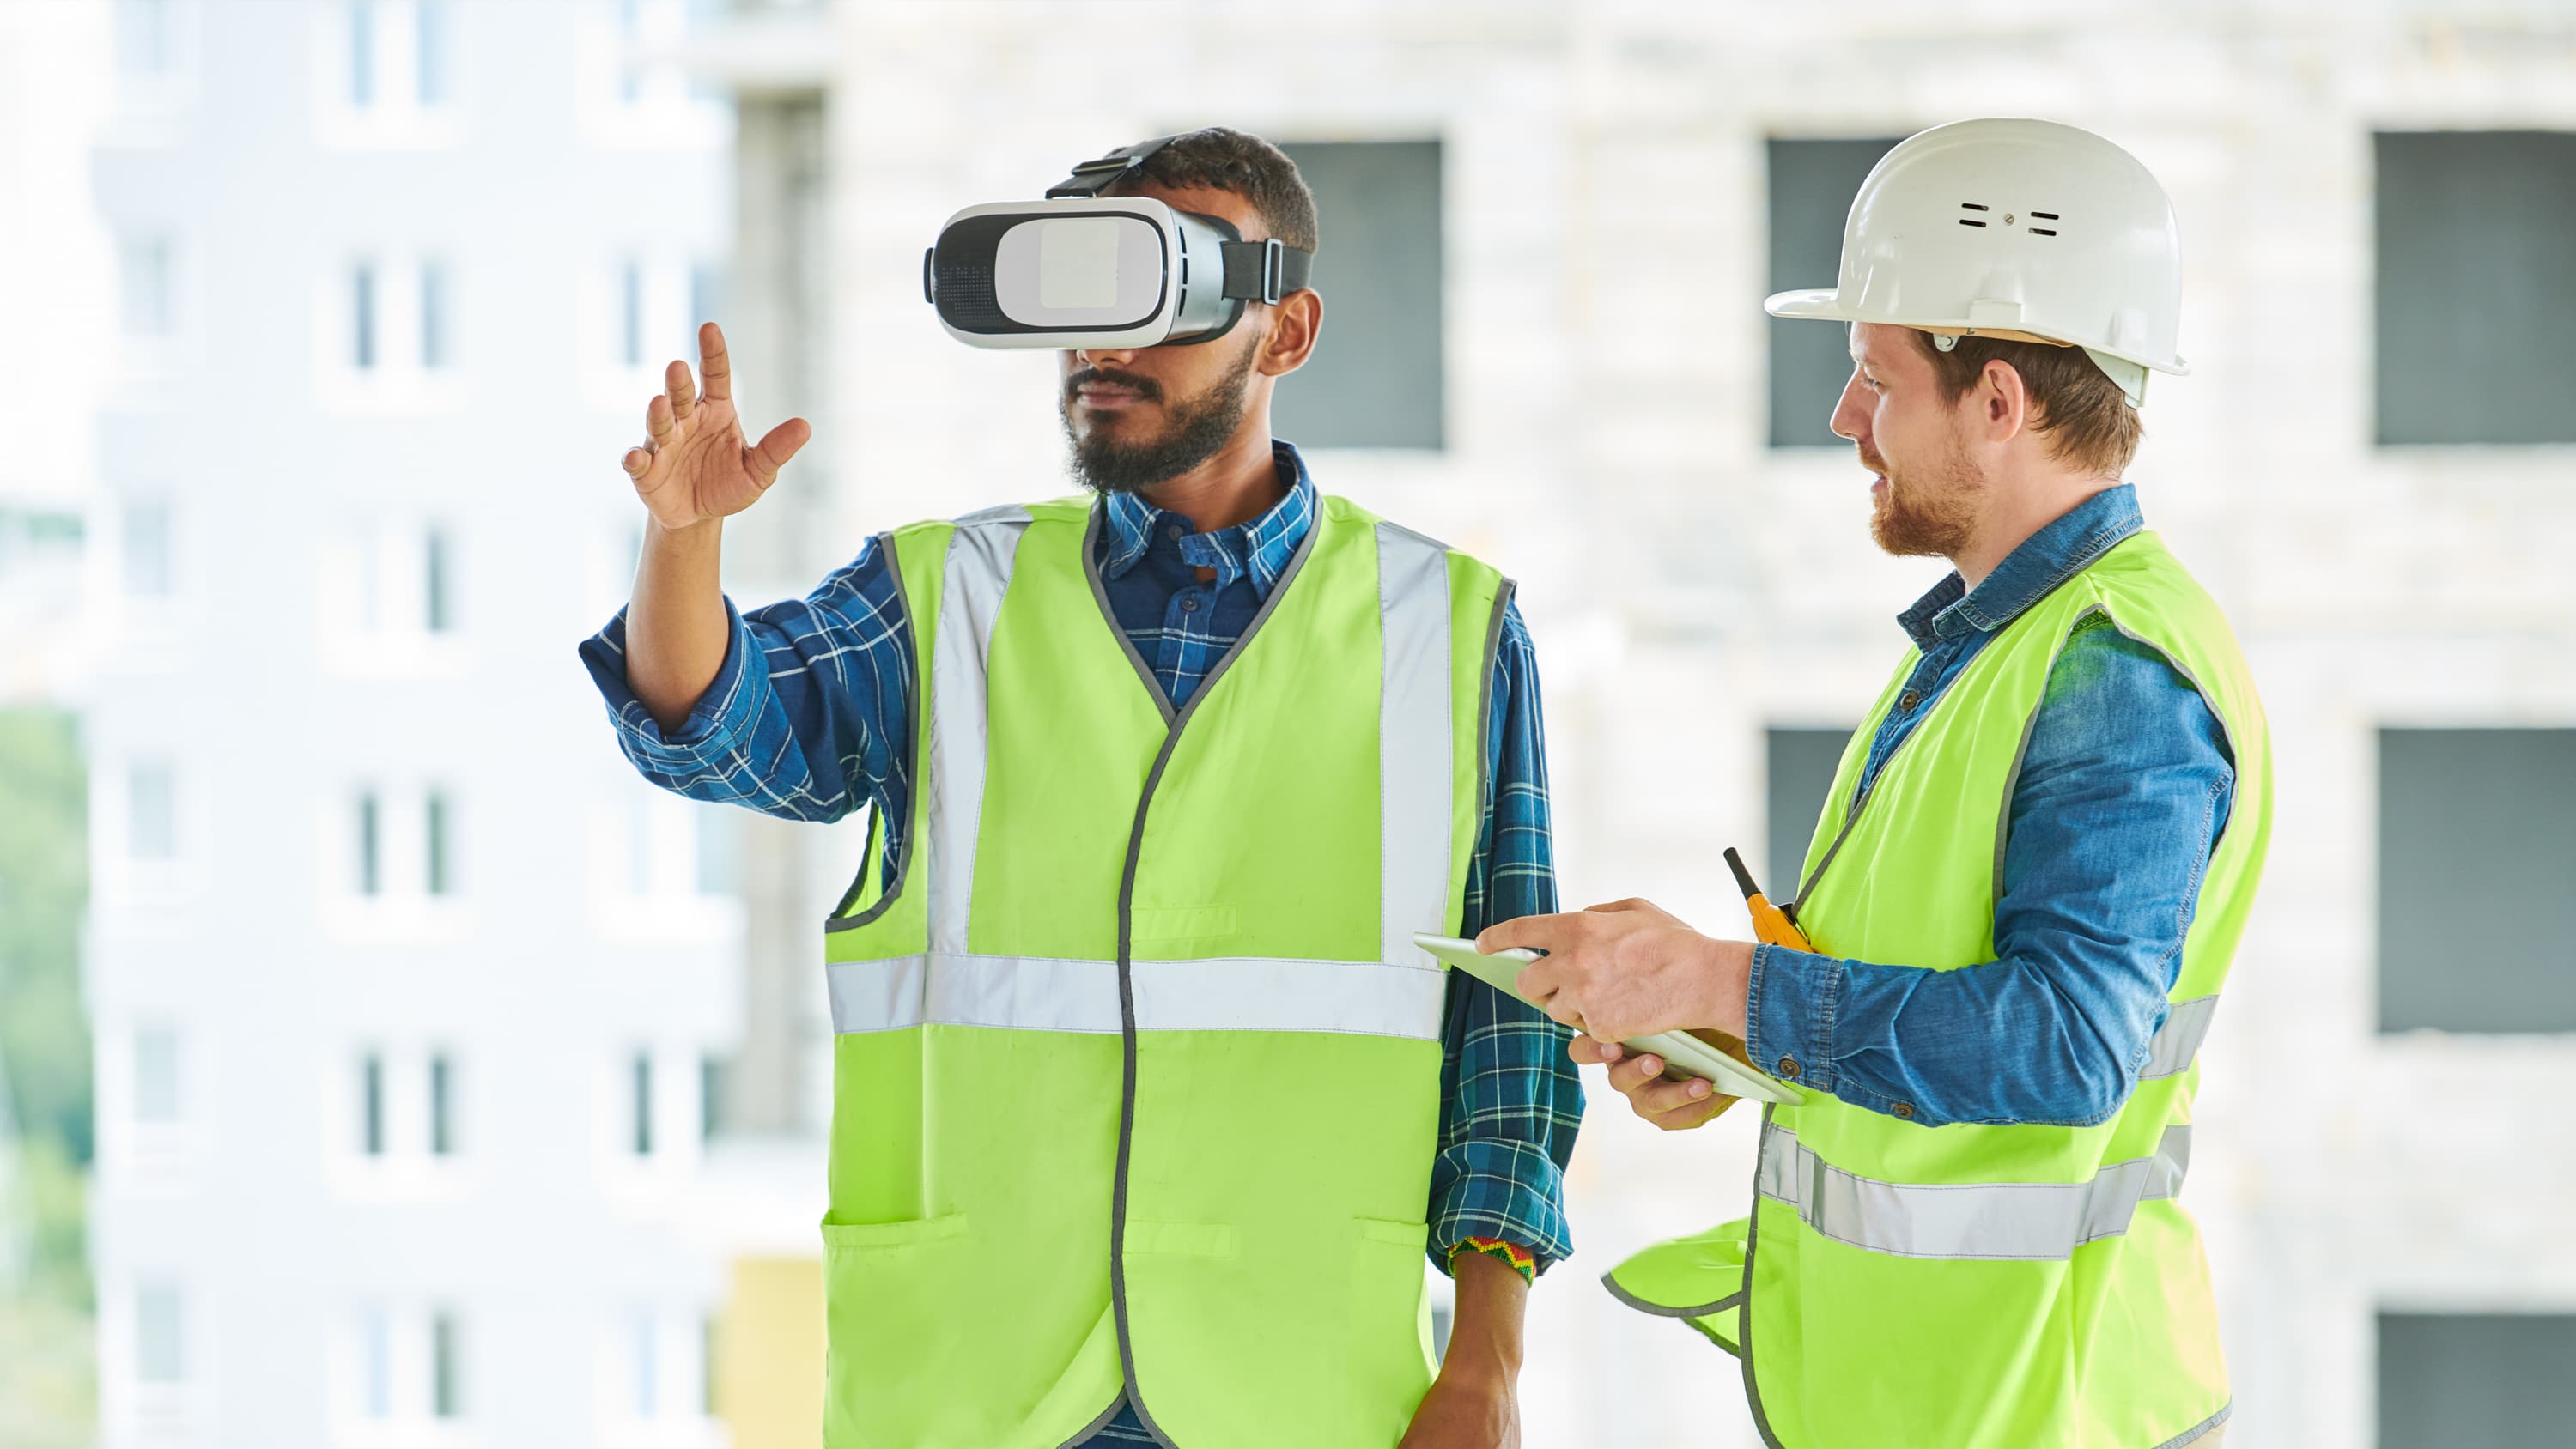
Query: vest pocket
<point>861,1236</point>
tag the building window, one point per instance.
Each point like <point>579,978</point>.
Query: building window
<point>146,550</point>
<point>148,287</point>
<point>442,1106</point>
<point>2476,827</point>
<point>719,849</point>
<point>430,50</point>
<point>156,1075</point>
<point>1378,376</point>
<point>630,31</point>
<point>446,1397</point>
<point>145,46</point>
<point>1800,764</point>
<point>438,844</point>
<point>433,316</point>
<point>371,860</point>
<point>710,1095</point>
<point>706,302</point>
<point>362,316</point>
<point>362,53</point>
<point>630,312</point>
<point>376,1347</point>
<point>2448,1379</point>
<point>2471,285</point>
<point>371,1105</point>
<point>438,613</point>
<point>1812,183</point>
<point>643,1104</point>
<point>151,814</point>
<point>159,1335</point>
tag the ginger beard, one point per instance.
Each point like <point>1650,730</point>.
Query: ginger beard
<point>1928,509</point>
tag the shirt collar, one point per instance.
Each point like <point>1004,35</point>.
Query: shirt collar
<point>2044,560</point>
<point>1260,550</point>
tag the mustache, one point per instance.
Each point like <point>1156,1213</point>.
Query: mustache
<point>1872,461</point>
<point>1136,382</point>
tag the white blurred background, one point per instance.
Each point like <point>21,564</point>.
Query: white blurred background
<point>382,1064</point>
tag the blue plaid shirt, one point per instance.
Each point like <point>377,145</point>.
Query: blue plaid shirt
<point>824,725</point>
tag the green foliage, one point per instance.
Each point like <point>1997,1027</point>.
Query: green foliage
<point>44,892</point>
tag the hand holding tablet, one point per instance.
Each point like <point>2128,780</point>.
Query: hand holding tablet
<point>1680,1050</point>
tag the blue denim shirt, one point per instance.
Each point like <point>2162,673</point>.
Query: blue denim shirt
<point>2122,796</point>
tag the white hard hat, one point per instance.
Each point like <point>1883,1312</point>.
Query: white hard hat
<point>2013,228</point>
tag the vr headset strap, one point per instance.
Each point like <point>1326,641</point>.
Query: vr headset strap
<point>1262,271</point>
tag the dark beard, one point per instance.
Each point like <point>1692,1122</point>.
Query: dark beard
<point>1199,426</point>
<point>1916,521</point>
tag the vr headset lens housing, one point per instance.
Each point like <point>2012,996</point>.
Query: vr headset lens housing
<point>1080,272</point>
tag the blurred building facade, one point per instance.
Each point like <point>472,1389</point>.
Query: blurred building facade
<point>420,1022</point>
<point>413,1004</point>
<point>1573,378</point>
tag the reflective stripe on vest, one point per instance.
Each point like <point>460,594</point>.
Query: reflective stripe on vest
<point>2178,1040</point>
<point>1414,745</point>
<point>2044,1221</point>
<point>1034,993</point>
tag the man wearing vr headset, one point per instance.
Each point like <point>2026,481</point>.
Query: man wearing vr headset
<point>1146,1107</point>
<point>2024,892</point>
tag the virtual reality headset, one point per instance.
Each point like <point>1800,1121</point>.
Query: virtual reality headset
<point>1083,270</point>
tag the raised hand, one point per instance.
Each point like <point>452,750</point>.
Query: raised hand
<point>694,465</point>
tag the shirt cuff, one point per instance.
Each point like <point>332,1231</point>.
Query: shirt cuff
<point>1789,1002</point>
<point>1509,1191</point>
<point>723,715</point>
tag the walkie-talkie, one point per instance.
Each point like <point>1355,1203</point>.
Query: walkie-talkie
<point>1775,925</point>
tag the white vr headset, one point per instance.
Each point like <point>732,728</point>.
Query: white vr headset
<point>1082,270</point>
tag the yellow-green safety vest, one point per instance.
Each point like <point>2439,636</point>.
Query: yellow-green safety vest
<point>2020,1287</point>
<point>1136,1068</point>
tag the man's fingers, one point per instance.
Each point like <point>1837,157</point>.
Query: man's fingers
<point>637,462</point>
<point>716,367</point>
<point>657,419</point>
<point>1589,1052</point>
<point>1536,933</point>
<point>1655,1098</point>
<point>679,389</point>
<point>1683,1119</point>
<point>774,449</point>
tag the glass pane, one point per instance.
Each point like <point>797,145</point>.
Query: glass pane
<point>433,315</point>
<point>1801,764</point>
<point>2477,929</point>
<point>376,1346</point>
<point>445,1400</point>
<point>442,1112</point>
<point>362,53</point>
<point>2473,286</point>
<point>2448,1380</point>
<point>152,831</point>
<point>643,1104</point>
<point>430,51</point>
<point>156,1075</point>
<point>362,315</point>
<point>1378,378</point>
<point>371,1106</point>
<point>159,1356</point>
<point>630,313</point>
<point>646,1351</point>
<point>370,841</point>
<point>436,606</point>
<point>1811,188</point>
<point>147,550</point>
<point>148,291</point>
<point>435,812</point>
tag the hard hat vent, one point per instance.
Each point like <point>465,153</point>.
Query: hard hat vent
<point>2043,216</point>
<point>1972,206</point>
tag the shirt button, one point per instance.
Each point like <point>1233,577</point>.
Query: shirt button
<point>1173,532</point>
<point>1189,606</point>
<point>1909,701</point>
<point>1788,1068</point>
<point>1904,1111</point>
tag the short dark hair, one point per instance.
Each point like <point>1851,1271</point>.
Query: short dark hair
<point>2076,408</point>
<point>1230,160</point>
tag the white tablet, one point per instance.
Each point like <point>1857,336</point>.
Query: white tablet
<point>1685,1052</point>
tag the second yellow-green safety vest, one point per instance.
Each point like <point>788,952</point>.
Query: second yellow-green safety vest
<point>1136,1068</point>
<point>1972,1286</point>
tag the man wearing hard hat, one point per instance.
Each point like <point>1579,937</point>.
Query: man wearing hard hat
<point>2023,894</point>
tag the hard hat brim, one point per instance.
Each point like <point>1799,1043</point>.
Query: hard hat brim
<point>1824,304</point>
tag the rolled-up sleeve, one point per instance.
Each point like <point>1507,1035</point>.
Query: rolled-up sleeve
<point>1511,1099</point>
<point>810,715</point>
<point>2121,799</point>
